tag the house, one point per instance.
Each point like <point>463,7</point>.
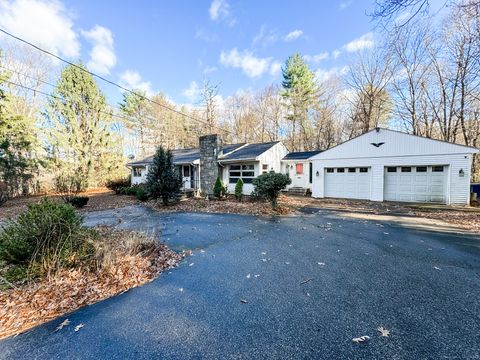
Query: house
<point>390,165</point>
<point>298,166</point>
<point>201,166</point>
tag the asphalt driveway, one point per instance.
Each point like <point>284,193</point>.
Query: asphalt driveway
<point>292,287</point>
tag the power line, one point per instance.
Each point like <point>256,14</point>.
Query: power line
<point>108,81</point>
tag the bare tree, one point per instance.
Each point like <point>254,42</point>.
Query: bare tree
<point>371,105</point>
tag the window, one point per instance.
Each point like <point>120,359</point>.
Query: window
<point>421,169</point>
<point>406,169</point>
<point>340,170</point>
<point>329,170</point>
<point>264,168</point>
<point>299,169</point>
<point>437,168</point>
<point>186,171</point>
<point>352,170</point>
<point>363,170</point>
<point>245,172</point>
<point>391,169</point>
<point>137,171</point>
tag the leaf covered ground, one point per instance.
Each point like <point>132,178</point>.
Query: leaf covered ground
<point>125,260</point>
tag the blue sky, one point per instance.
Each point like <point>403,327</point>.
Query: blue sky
<point>172,46</point>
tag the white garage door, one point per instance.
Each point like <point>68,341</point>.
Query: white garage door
<point>416,183</point>
<point>352,182</point>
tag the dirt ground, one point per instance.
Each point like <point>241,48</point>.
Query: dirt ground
<point>101,199</point>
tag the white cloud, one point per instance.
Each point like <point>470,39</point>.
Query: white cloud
<point>205,36</point>
<point>344,4</point>
<point>251,65</point>
<point>102,55</point>
<point>209,69</point>
<point>220,10</point>
<point>275,68</point>
<point>317,58</point>
<point>323,75</point>
<point>45,23</point>
<point>192,92</point>
<point>293,35</point>
<point>365,41</point>
<point>265,37</point>
<point>336,53</point>
<point>132,80</point>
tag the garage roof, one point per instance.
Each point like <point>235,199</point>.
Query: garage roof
<point>381,142</point>
<point>301,155</point>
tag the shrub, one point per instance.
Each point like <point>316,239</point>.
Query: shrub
<point>48,234</point>
<point>78,201</point>
<point>68,186</point>
<point>268,186</point>
<point>163,180</point>
<point>219,190</point>
<point>141,193</point>
<point>118,185</point>
<point>239,189</point>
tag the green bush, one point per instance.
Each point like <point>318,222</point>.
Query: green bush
<point>78,201</point>
<point>118,185</point>
<point>48,235</point>
<point>219,190</point>
<point>141,193</point>
<point>239,189</point>
<point>268,186</point>
<point>3,193</point>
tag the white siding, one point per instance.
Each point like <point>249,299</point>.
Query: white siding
<point>394,144</point>
<point>458,188</point>
<point>297,180</point>
<point>140,180</point>
<point>272,157</point>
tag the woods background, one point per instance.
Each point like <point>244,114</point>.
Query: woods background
<point>423,78</point>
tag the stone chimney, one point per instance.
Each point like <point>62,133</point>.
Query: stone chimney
<point>210,150</point>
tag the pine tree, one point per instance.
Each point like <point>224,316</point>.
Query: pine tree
<point>80,119</point>
<point>301,91</point>
<point>18,145</point>
<point>163,179</point>
<point>239,189</point>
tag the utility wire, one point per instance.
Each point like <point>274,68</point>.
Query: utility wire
<point>109,81</point>
<point>59,98</point>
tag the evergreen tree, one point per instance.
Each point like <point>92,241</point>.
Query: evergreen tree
<point>80,120</point>
<point>239,189</point>
<point>18,145</point>
<point>135,106</point>
<point>163,180</point>
<point>301,91</point>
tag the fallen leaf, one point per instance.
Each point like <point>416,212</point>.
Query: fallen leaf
<point>321,263</point>
<point>78,327</point>
<point>248,276</point>
<point>306,281</point>
<point>383,332</point>
<point>437,268</point>
<point>64,323</point>
<point>361,339</point>
<point>243,301</point>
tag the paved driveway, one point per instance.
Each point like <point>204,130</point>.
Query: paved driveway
<point>311,284</point>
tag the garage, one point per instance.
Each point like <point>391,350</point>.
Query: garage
<point>389,165</point>
<point>416,183</point>
<point>350,183</point>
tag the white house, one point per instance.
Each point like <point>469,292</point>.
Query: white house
<point>298,166</point>
<point>201,166</point>
<point>390,165</point>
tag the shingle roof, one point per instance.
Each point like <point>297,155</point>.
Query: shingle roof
<point>184,156</point>
<point>250,151</point>
<point>180,156</point>
<point>301,155</point>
